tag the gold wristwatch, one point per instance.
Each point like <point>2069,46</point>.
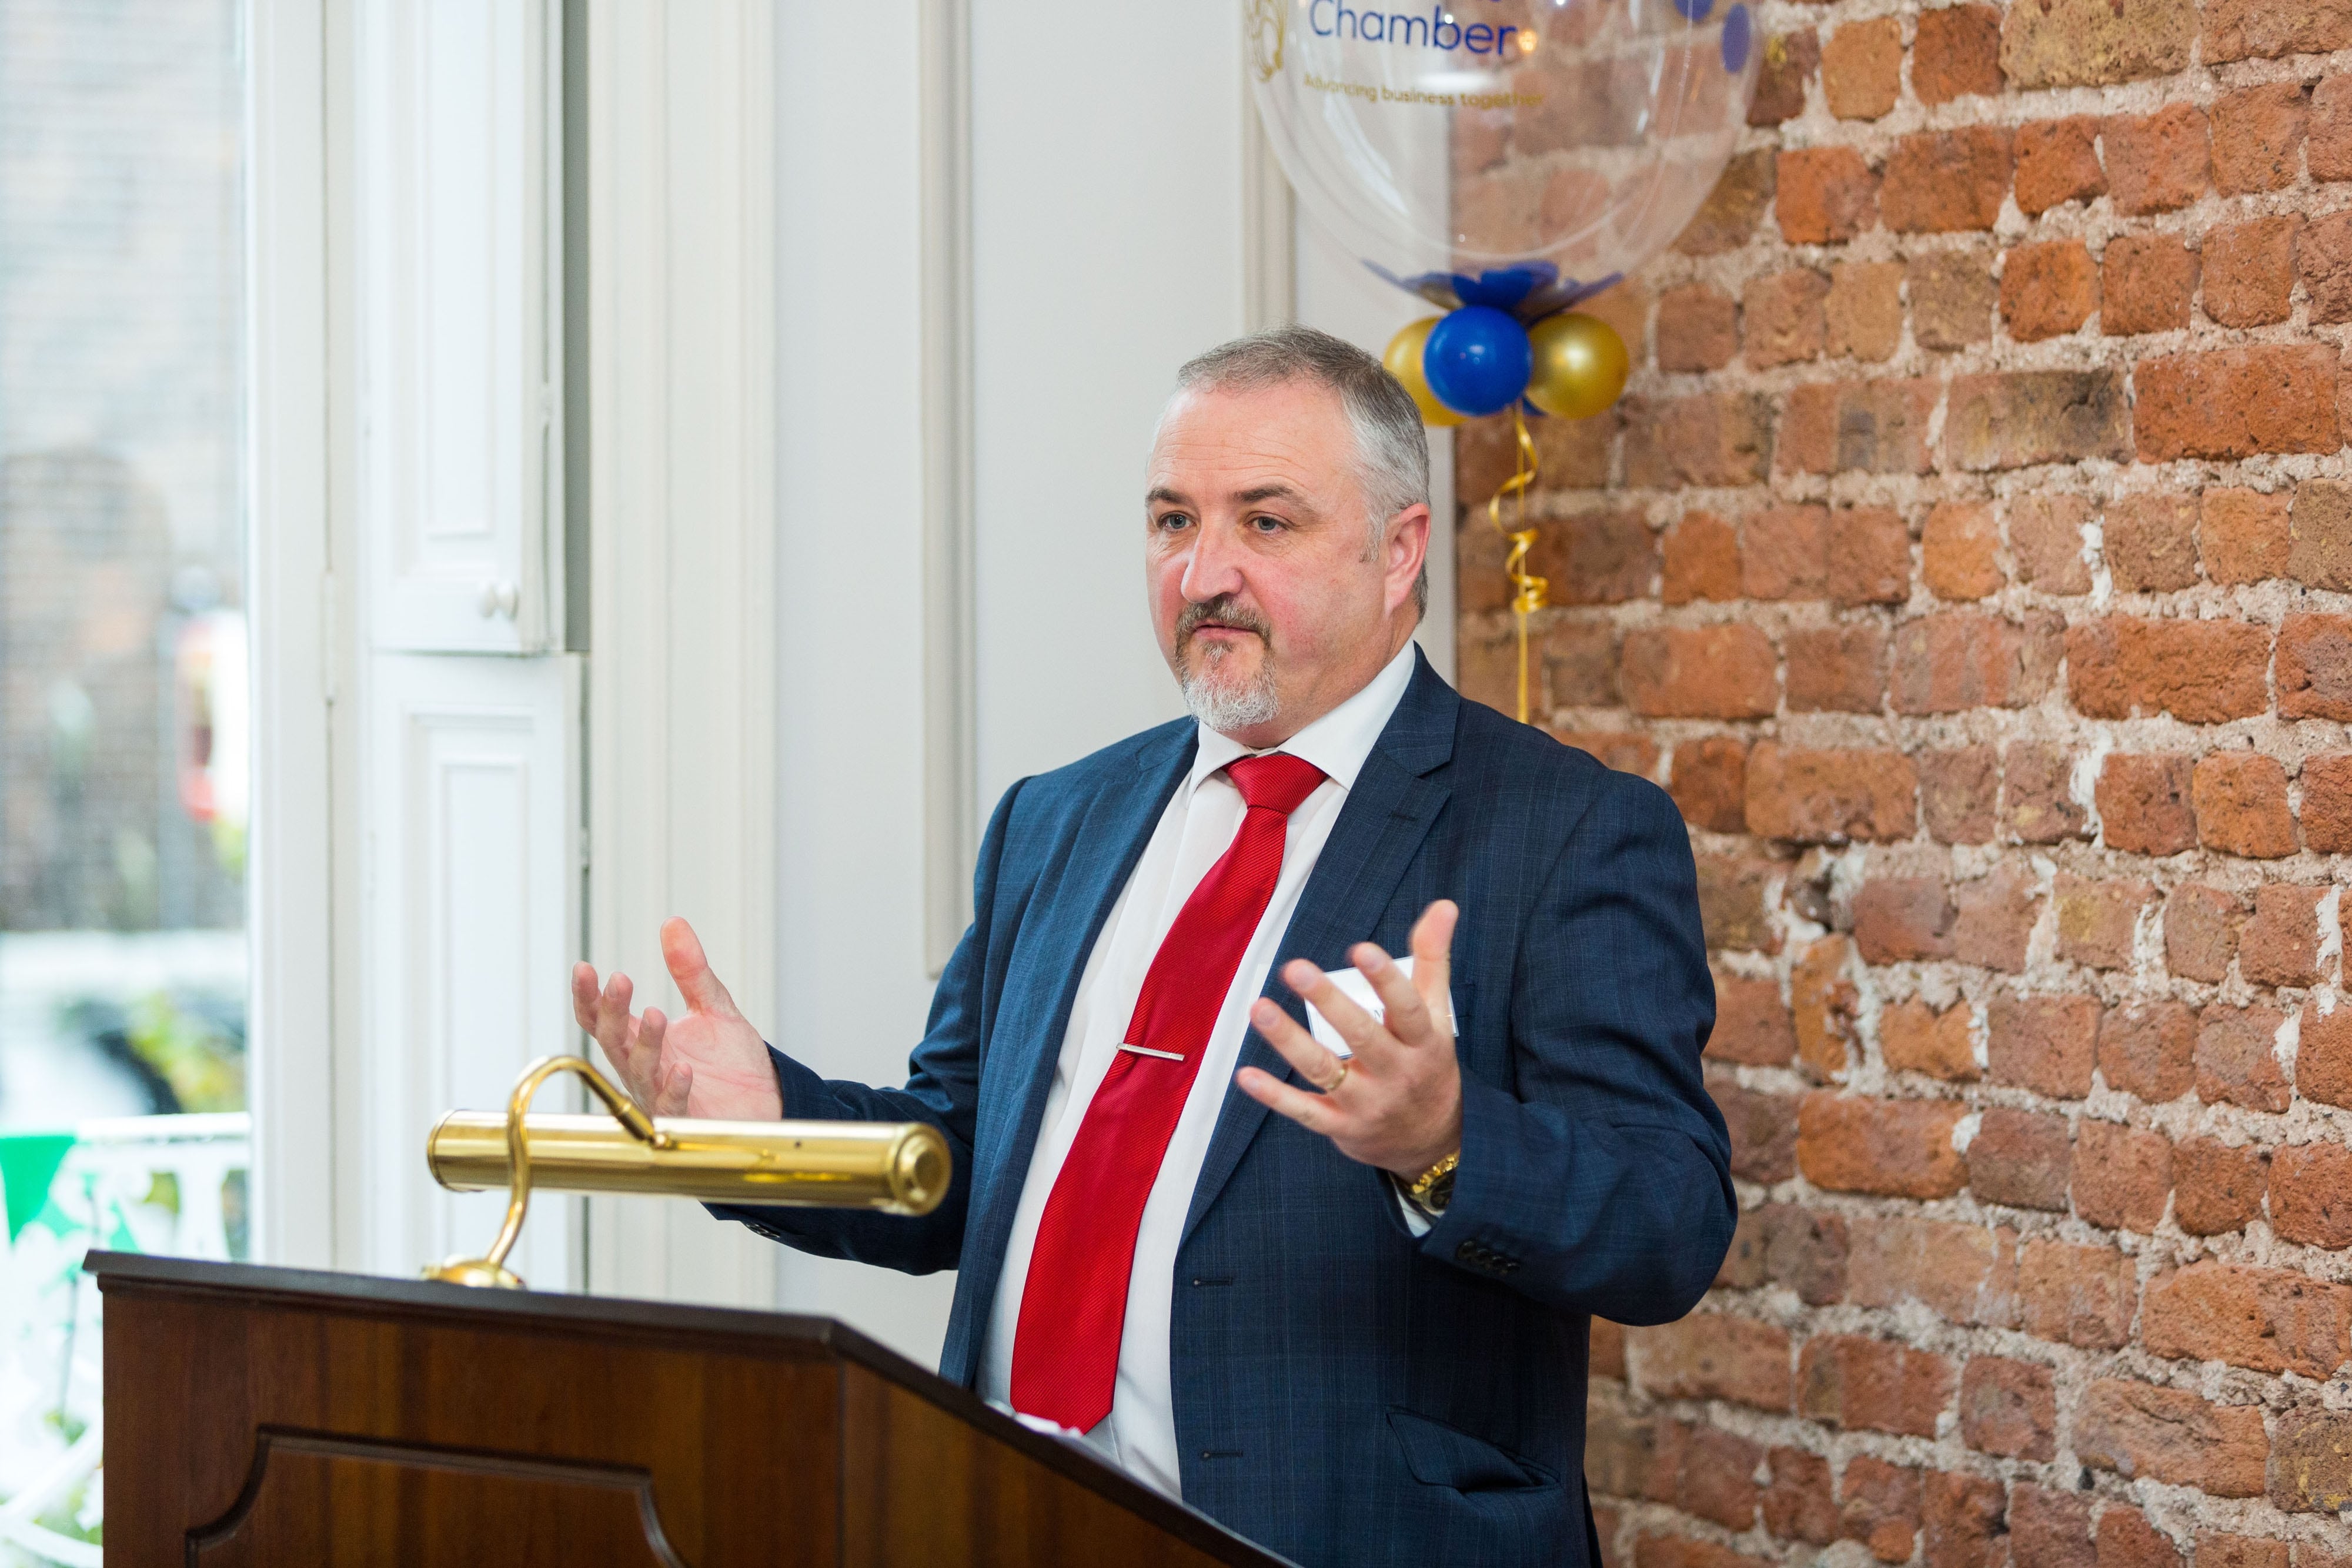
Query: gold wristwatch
<point>1433,1188</point>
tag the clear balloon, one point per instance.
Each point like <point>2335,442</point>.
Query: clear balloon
<point>1516,154</point>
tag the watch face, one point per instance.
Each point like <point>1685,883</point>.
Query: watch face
<point>1441,1192</point>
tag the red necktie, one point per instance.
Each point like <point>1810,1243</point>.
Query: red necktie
<point>1073,1304</point>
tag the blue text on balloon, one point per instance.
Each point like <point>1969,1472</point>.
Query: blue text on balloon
<point>1437,31</point>
<point>1736,38</point>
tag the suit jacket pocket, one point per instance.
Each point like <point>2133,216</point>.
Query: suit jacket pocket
<point>1440,1455</point>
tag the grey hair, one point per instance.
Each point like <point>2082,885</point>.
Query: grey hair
<point>1391,449</point>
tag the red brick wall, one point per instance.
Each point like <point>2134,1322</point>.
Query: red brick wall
<point>1969,557</point>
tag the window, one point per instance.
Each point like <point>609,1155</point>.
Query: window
<point>123,695</point>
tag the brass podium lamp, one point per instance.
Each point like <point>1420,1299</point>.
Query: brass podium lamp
<point>892,1167</point>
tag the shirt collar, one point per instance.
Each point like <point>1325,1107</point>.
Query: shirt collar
<point>1337,743</point>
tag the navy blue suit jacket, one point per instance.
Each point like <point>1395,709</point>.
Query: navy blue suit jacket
<point>1346,1392</point>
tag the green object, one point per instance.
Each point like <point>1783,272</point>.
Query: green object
<point>163,1193</point>
<point>56,1220</point>
<point>28,1163</point>
<point>203,1066</point>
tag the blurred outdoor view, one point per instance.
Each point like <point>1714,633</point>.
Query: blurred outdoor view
<point>123,749</point>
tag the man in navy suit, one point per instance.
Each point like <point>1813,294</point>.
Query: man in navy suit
<point>1355,1328</point>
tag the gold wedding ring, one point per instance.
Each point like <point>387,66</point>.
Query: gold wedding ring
<point>1333,1087</point>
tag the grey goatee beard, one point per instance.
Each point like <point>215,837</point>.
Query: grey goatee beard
<point>1233,702</point>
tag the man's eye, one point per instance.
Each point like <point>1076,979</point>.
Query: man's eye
<point>1174,520</point>
<point>1268,524</point>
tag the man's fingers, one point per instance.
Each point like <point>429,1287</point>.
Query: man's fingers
<point>600,1016</point>
<point>673,1085</point>
<point>628,1064</point>
<point>682,951</point>
<point>1432,958</point>
<point>1311,1111</point>
<point>1356,1026</point>
<point>1315,1063</point>
<point>1406,1020</point>
<point>641,1064</point>
<point>584,997</point>
<point>614,1024</point>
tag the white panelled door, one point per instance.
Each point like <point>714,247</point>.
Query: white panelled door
<point>469,729</point>
<point>472,791</point>
<point>457,132</point>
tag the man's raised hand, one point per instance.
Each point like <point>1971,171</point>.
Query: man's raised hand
<point>1397,1104</point>
<point>710,1064</point>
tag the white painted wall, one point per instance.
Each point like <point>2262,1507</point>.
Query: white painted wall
<point>1107,249</point>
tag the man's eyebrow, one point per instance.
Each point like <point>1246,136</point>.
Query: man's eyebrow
<point>1273,491</point>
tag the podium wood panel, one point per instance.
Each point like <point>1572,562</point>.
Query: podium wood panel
<point>264,1415</point>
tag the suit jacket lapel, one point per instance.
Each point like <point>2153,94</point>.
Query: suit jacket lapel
<point>1102,853</point>
<point>1381,827</point>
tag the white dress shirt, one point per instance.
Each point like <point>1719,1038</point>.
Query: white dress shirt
<point>1200,823</point>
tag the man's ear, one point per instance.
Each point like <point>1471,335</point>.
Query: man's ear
<point>1407,552</point>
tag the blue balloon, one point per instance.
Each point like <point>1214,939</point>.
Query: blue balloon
<point>1477,361</point>
<point>1504,288</point>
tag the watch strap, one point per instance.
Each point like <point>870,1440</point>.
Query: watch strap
<point>1431,1191</point>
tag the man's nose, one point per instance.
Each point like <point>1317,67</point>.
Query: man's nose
<point>1215,567</point>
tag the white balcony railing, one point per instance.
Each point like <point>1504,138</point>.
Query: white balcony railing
<point>168,1185</point>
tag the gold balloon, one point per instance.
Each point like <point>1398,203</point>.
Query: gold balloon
<point>1581,365</point>
<point>1404,361</point>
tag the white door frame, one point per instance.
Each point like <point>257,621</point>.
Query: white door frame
<point>291,890</point>
<point>681,705</point>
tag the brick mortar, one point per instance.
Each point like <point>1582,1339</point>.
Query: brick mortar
<point>1777,900</point>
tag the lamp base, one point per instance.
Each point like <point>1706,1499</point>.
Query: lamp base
<point>478,1271</point>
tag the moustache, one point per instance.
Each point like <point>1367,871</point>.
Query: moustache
<point>1225,611</point>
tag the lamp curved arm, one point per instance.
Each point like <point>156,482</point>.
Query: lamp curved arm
<point>491,1268</point>
<point>625,1110</point>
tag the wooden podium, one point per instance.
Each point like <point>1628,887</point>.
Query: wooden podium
<point>277,1417</point>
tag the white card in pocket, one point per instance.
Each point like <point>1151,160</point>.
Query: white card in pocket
<point>1359,990</point>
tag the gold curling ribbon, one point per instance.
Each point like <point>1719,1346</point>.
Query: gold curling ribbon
<point>1528,589</point>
